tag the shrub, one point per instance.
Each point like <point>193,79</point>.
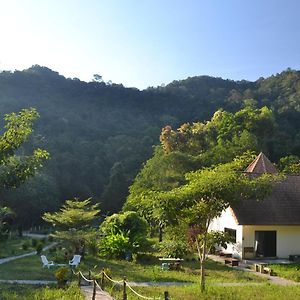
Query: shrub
<point>25,246</point>
<point>123,234</point>
<point>62,275</point>
<point>39,248</point>
<point>173,248</point>
<point>115,245</point>
<point>34,243</point>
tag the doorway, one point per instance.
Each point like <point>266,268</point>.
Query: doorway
<point>265,243</point>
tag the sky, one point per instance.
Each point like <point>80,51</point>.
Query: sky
<point>142,43</point>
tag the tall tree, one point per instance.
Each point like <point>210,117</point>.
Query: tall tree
<point>14,168</point>
<point>73,222</point>
<point>206,194</point>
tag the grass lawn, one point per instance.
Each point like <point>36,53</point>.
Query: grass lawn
<point>26,268</point>
<point>191,292</point>
<point>151,271</point>
<point>14,246</point>
<point>290,271</point>
<point>31,268</point>
<point>28,292</point>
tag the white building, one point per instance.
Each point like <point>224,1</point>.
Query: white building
<point>267,228</point>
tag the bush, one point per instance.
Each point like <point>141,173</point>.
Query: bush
<point>115,245</point>
<point>39,248</point>
<point>124,234</point>
<point>34,243</point>
<point>62,275</point>
<point>173,248</point>
<point>25,246</point>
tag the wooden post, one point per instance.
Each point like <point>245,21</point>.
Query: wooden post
<point>79,279</point>
<point>94,290</point>
<point>166,294</point>
<point>124,289</point>
<point>102,280</point>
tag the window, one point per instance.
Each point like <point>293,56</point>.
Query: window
<point>232,233</point>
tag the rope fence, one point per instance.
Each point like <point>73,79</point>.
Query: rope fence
<point>122,283</point>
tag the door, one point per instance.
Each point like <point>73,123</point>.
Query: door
<point>265,243</point>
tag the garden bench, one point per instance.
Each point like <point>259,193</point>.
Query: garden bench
<point>225,254</point>
<point>231,261</point>
<point>169,263</point>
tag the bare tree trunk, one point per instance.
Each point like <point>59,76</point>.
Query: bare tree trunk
<point>202,256</point>
<point>160,237</point>
<point>202,269</point>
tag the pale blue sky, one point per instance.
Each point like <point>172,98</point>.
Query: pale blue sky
<point>145,43</point>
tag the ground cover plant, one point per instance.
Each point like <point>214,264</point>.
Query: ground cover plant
<point>16,245</point>
<point>192,292</point>
<point>30,292</point>
<point>288,271</point>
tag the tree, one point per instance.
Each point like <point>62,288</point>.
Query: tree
<point>6,218</point>
<point>15,169</point>
<point>160,173</point>
<point>189,148</point>
<point>206,194</point>
<point>73,223</point>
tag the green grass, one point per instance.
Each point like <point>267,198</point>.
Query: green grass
<point>31,268</point>
<point>192,292</point>
<point>26,268</point>
<point>28,292</point>
<point>151,271</point>
<point>13,246</point>
<point>290,271</point>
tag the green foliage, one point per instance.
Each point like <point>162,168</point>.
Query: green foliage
<point>173,248</point>
<point>39,248</point>
<point>25,246</point>
<point>29,292</point>
<point>6,218</point>
<point>15,169</point>
<point>116,245</point>
<point>289,164</point>
<point>123,234</point>
<point>91,127</point>
<point>73,222</point>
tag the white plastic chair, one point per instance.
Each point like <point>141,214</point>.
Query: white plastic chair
<point>74,262</point>
<point>46,262</point>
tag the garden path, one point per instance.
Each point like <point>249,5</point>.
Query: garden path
<point>10,258</point>
<point>100,295</point>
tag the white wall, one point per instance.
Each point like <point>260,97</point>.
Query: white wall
<point>288,238</point>
<point>227,220</point>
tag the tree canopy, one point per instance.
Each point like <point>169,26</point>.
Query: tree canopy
<point>99,134</point>
<point>73,222</point>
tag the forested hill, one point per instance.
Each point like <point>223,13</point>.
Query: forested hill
<point>99,134</point>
